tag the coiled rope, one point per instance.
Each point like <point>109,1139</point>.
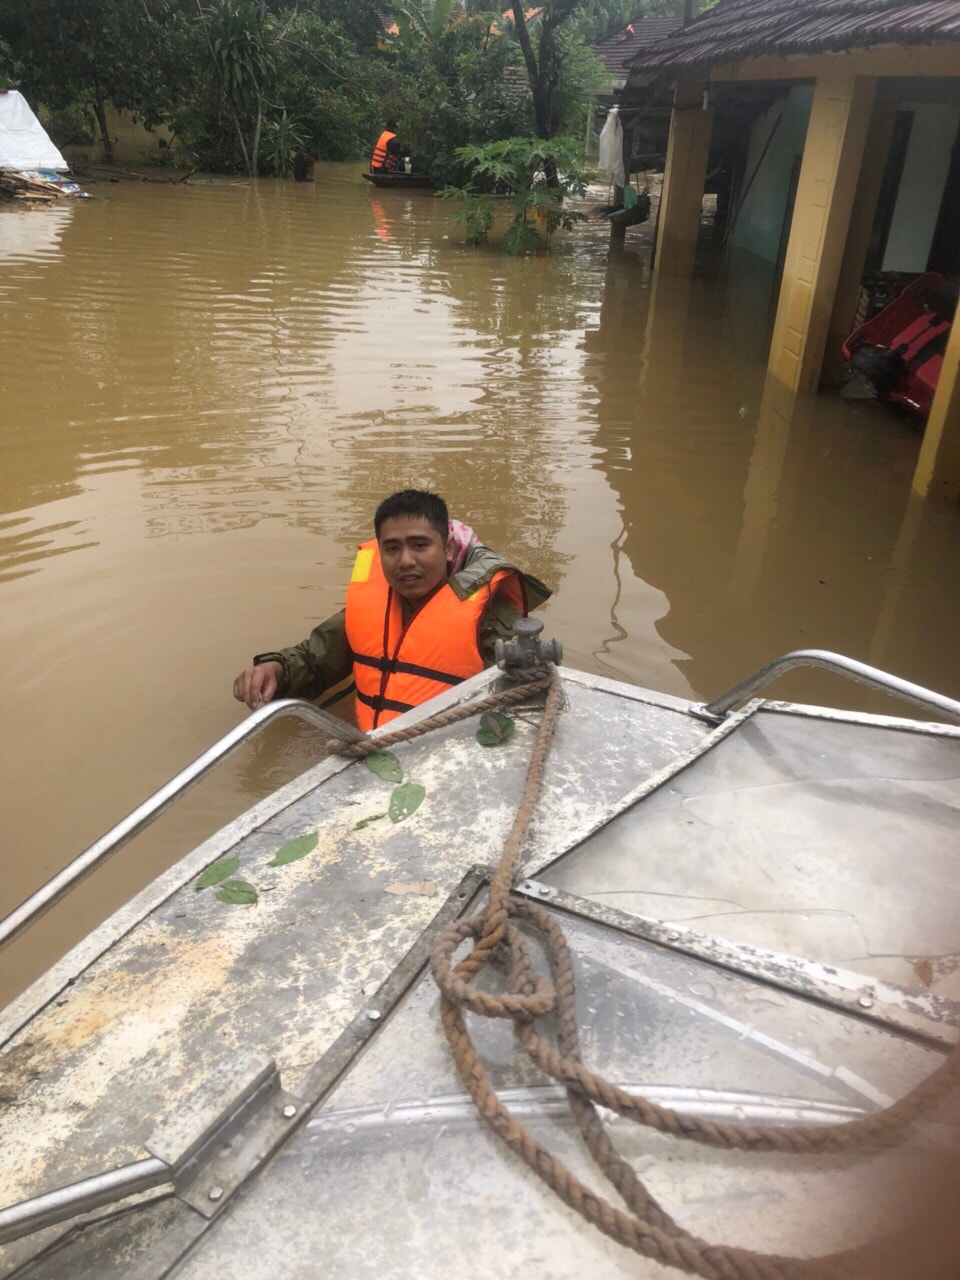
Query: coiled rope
<point>645,1226</point>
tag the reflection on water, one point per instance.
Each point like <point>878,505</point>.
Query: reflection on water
<point>31,234</point>
<point>206,390</point>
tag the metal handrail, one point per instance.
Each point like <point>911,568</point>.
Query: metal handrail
<point>21,1219</point>
<point>872,677</point>
<point>81,866</point>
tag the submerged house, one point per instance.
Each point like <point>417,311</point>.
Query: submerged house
<point>844,160</point>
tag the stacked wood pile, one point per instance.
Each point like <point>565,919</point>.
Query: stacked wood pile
<point>24,186</point>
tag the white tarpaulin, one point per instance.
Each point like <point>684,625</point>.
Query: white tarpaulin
<point>610,160</point>
<point>24,143</point>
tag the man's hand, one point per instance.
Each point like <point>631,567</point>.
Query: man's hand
<point>257,684</point>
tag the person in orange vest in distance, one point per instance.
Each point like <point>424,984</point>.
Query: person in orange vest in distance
<point>426,603</point>
<point>388,153</point>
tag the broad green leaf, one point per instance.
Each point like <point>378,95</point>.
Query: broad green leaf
<point>238,892</point>
<point>386,766</point>
<point>406,799</point>
<point>365,822</point>
<point>216,872</point>
<point>495,728</point>
<point>293,850</point>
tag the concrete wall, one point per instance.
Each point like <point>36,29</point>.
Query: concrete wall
<point>925,169</point>
<point>132,143</point>
<point>760,222</point>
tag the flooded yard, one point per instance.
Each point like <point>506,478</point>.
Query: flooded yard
<point>205,390</point>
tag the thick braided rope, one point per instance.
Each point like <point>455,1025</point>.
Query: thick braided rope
<point>872,1132</point>
<point>650,1230</point>
<point>494,917</point>
<point>729,1263</point>
<point>509,697</point>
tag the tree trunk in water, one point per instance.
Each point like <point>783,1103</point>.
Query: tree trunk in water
<point>255,144</point>
<point>227,93</point>
<point>543,89</point>
<point>535,72</point>
<point>541,112</point>
<point>239,128</point>
<point>541,69</point>
<point>101,114</point>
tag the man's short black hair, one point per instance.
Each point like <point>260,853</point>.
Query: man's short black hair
<point>392,128</point>
<point>414,502</point>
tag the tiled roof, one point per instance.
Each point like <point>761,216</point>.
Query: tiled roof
<point>618,51</point>
<point>750,28</point>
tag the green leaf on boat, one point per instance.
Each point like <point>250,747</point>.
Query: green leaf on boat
<point>386,766</point>
<point>294,850</point>
<point>238,892</point>
<point>495,729</point>
<point>405,799</point>
<point>365,822</point>
<point>216,872</point>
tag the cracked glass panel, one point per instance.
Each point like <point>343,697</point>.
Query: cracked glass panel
<point>833,841</point>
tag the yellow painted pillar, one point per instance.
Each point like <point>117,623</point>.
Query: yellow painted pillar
<point>832,159</point>
<point>938,468</point>
<point>858,240</point>
<point>684,177</point>
<point>762,491</point>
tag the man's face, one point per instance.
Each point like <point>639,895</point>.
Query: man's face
<point>413,555</point>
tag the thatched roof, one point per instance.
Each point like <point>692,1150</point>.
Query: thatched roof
<point>618,50</point>
<point>751,28</point>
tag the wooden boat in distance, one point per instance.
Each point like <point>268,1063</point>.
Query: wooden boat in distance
<point>399,181</point>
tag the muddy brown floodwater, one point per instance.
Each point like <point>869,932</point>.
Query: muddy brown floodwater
<point>204,391</point>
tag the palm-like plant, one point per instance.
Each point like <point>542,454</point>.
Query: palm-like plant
<point>236,33</point>
<point>424,21</point>
<point>236,36</point>
<point>282,139</point>
<point>514,173</point>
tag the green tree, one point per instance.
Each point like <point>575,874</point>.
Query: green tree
<point>234,78</point>
<point>358,20</point>
<point>548,54</point>
<point>10,70</point>
<point>95,52</point>
<point>238,35</point>
<point>425,22</point>
<point>459,65</point>
<point>336,94</point>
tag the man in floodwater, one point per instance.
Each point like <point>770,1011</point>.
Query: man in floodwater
<point>425,606</point>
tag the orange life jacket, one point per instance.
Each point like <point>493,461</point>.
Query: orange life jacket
<point>381,159</point>
<point>396,668</point>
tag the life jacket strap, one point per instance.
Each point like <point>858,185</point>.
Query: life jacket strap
<point>377,703</point>
<point>391,666</point>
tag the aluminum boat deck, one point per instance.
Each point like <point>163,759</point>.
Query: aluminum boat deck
<point>765,912</point>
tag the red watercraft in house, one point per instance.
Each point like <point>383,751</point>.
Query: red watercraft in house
<point>898,354</point>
